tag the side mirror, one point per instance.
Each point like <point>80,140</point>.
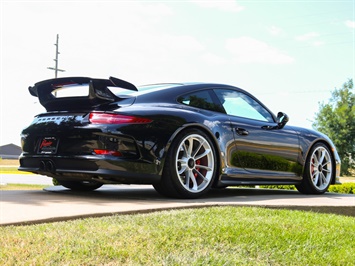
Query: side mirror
<point>282,119</point>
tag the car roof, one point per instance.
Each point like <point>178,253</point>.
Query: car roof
<point>179,88</point>
<point>168,92</point>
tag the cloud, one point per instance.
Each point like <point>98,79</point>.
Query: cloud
<point>159,49</point>
<point>306,37</point>
<point>273,30</point>
<point>350,24</point>
<point>317,43</point>
<point>179,43</point>
<point>311,38</point>
<point>213,59</point>
<point>228,5</point>
<point>250,50</point>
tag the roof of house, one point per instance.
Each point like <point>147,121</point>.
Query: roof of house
<point>10,151</point>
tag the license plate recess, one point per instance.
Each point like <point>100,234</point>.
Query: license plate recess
<point>48,145</point>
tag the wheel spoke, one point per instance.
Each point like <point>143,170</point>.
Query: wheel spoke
<point>322,155</point>
<point>201,175</point>
<point>187,178</point>
<point>202,142</point>
<point>205,167</point>
<point>314,173</point>
<point>323,179</point>
<point>327,170</point>
<point>315,159</point>
<point>192,179</point>
<point>182,170</point>
<point>316,178</point>
<point>184,149</point>
<point>326,164</point>
<point>183,165</point>
<point>189,149</point>
<point>203,154</point>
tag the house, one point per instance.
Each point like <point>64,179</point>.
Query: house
<point>10,151</point>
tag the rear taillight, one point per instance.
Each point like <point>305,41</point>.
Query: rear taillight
<point>106,118</point>
<point>108,152</point>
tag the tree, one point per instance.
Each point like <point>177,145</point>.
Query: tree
<point>337,120</point>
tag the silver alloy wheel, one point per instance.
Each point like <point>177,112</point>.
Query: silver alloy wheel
<point>194,163</point>
<point>321,168</point>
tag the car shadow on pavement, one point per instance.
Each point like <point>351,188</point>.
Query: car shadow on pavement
<point>232,193</point>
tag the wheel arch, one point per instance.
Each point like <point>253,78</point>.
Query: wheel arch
<point>212,137</point>
<point>330,147</point>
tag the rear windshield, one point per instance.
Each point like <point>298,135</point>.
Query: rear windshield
<point>152,87</point>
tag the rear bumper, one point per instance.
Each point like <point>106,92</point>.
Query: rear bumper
<point>100,168</point>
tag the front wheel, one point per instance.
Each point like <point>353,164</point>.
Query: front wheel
<point>190,166</point>
<point>318,172</point>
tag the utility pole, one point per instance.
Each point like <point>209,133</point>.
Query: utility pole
<point>55,68</point>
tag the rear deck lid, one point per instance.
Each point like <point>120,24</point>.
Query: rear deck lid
<point>81,93</point>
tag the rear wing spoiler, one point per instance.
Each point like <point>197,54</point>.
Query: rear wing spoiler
<point>99,92</point>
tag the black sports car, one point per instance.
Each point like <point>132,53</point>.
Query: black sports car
<point>184,139</point>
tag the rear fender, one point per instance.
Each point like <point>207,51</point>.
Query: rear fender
<point>203,128</point>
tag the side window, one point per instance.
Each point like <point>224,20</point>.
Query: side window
<point>239,104</point>
<point>201,99</point>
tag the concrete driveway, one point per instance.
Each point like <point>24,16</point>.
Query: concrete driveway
<point>56,203</point>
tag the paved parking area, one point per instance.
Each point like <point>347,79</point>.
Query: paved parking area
<point>56,203</point>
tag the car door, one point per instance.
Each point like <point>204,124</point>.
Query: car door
<point>261,147</point>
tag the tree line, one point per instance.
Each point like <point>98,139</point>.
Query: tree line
<point>337,120</point>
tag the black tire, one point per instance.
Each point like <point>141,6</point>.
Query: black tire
<point>318,171</point>
<point>190,166</point>
<point>80,185</point>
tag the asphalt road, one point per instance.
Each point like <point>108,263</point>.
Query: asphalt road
<point>56,203</point>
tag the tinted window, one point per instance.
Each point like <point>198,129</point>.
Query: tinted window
<point>239,104</point>
<point>201,99</point>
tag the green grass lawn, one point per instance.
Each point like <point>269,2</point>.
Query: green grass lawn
<point>21,187</point>
<point>11,170</point>
<point>207,236</point>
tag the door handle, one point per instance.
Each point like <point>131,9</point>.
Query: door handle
<point>241,131</point>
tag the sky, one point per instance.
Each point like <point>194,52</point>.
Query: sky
<point>289,54</point>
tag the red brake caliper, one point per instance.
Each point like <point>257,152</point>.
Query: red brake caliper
<point>312,167</point>
<point>197,168</point>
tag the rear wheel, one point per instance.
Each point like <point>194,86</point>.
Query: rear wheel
<point>190,166</point>
<point>319,170</point>
<point>80,185</point>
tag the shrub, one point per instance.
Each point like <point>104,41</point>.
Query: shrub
<point>55,182</point>
<point>287,187</point>
<point>345,188</point>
